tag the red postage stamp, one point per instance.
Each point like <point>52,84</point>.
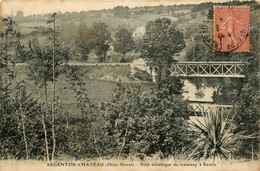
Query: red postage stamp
<point>231,28</point>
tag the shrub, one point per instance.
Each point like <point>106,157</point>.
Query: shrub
<point>214,136</point>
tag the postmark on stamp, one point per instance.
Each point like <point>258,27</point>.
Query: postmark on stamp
<point>231,28</point>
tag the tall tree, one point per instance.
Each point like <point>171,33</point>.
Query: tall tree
<point>8,34</point>
<point>97,38</point>
<point>124,41</point>
<point>53,36</point>
<point>46,64</point>
<point>8,44</point>
<point>101,39</point>
<point>161,42</point>
<point>81,41</point>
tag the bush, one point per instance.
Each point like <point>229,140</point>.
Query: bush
<point>143,124</point>
<point>214,136</point>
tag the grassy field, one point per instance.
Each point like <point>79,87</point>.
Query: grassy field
<point>100,83</point>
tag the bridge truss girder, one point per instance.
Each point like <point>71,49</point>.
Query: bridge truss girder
<point>205,108</point>
<point>208,69</point>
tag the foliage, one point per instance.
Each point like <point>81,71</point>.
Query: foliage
<point>124,42</point>
<point>96,38</point>
<point>100,38</point>
<point>159,9</point>
<point>46,65</point>
<point>171,85</point>
<point>82,36</point>
<point>214,136</point>
<point>20,17</point>
<point>12,50</point>
<point>161,42</point>
<point>87,130</point>
<point>7,46</point>
<point>198,51</point>
<point>143,124</point>
<point>247,101</point>
<point>21,128</point>
<point>8,36</point>
<point>41,62</point>
<point>142,75</point>
<point>121,11</point>
<point>17,111</point>
<point>226,92</point>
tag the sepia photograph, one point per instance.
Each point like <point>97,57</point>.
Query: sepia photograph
<point>116,85</point>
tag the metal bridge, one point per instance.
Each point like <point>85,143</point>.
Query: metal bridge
<point>207,107</point>
<point>208,69</point>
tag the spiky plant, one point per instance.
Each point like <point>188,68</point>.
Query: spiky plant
<point>214,136</point>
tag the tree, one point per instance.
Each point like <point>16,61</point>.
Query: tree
<point>46,64</point>
<point>67,37</point>
<point>124,41</point>
<point>19,16</point>
<point>82,41</point>
<point>97,38</point>
<point>100,38</point>
<point>161,42</point>
<point>41,62</point>
<point>121,11</point>
<point>21,111</point>
<point>56,53</point>
<point>159,9</point>
<point>8,46</point>
<point>90,118</point>
<point>197,51</point>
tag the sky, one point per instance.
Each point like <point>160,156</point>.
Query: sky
<point>30,7</point>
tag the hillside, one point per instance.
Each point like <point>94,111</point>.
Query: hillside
<point>100,82</point>
<point>188,18</point>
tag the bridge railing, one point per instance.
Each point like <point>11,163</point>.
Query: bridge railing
<point>208,69</point>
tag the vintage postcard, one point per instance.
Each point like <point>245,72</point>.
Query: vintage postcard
<point>129,85</point>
